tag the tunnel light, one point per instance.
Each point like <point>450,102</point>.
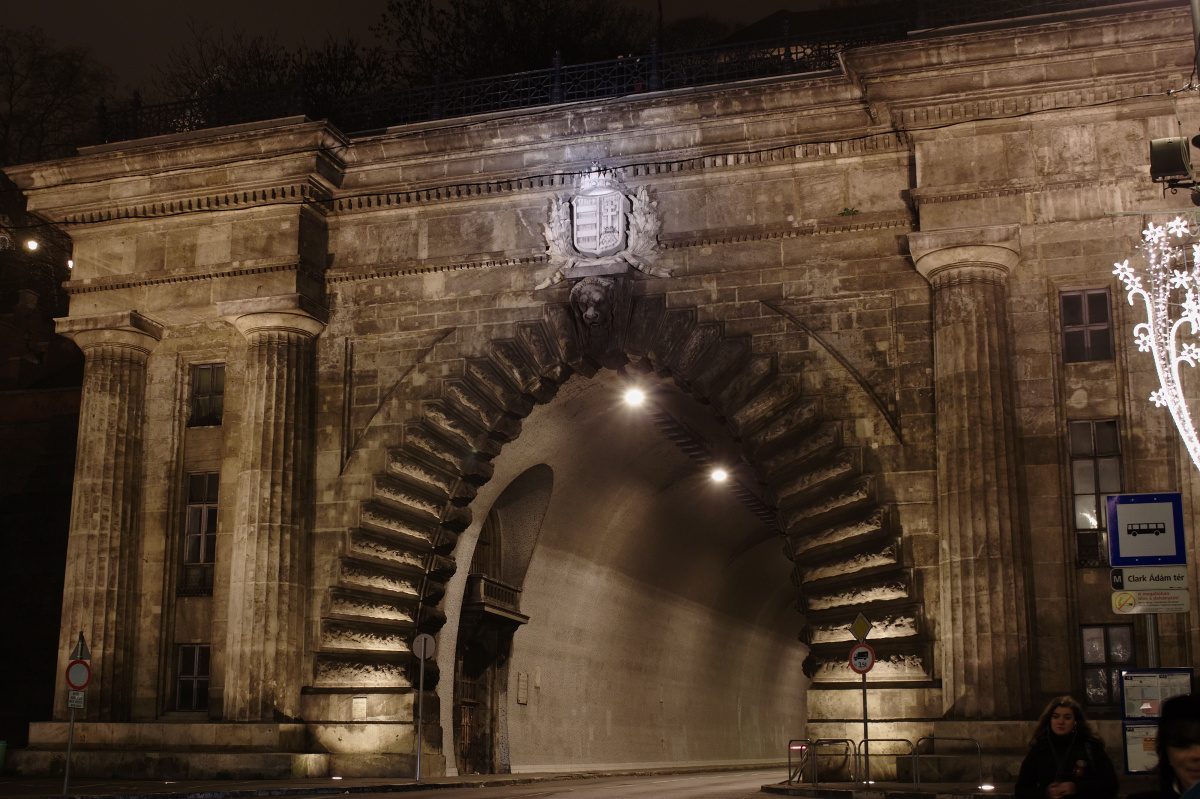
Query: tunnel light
<point>70,264</point>
<point>335,778</point>
<point>719,475</point>
<point>986,787</point>
<point>634,396</point>
<point>31,244</point>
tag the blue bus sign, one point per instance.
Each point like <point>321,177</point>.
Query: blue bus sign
<point>1145,530</point>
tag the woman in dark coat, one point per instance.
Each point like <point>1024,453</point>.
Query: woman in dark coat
<point>1178,745</point>
<point>1065,758</point>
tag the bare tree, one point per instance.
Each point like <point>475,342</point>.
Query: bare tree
<point>462,39</point>
<point>217,63</point>
<point>48,96</point>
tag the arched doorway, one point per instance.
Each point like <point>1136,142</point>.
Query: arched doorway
<point>490,616</point>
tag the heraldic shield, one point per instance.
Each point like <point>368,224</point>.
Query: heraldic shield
<point>600,222</point>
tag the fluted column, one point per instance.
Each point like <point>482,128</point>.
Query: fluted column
<point>269,553</point>
<point>100,592</point>
<point>983,630</point>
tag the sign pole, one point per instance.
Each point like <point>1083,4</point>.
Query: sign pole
<point>420,715</point>
<point>70,738</point>
<point>1152,640</point>
<point>862,658</point>
<point>866,749</point>
<point>424,647</point>
<point>79,674</point>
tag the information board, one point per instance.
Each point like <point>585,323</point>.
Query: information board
<point>1141,756</point>
<point>1144,690</point>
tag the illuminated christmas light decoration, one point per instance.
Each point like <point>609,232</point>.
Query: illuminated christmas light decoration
<point>1168,274</point>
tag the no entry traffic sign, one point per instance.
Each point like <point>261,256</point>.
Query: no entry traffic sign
<point>862,658</point>
<point>79,674</point>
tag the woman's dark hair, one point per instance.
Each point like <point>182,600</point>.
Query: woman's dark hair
<point>1082,727</point>
<point>1179,727</point>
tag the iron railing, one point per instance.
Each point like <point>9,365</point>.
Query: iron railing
<point>792,53</point>
<point>482,589</point>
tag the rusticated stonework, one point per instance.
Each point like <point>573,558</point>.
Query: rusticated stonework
<point>853,311</point>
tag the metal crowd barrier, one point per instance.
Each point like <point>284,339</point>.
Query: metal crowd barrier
<point>933,739</point>
<point>808,754</point>
<point>804,752</point>
<point>864,751</point>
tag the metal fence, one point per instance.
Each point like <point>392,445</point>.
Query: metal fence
<point>793,53</point>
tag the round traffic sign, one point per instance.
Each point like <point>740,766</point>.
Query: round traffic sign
<point>79,674</point>
<point>862,658</point>
<point>424,646</point>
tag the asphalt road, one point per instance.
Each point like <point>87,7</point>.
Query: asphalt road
<point>724,785</point>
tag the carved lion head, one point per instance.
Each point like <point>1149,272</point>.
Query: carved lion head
<point>592,298</point>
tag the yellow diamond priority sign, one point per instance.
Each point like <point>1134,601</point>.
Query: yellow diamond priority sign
<point>860,628</point>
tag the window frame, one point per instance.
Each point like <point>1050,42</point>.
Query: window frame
<point>193,669</point>
<point>200,530</point>
<point>1110,667</point>
<point>1097,457</point>
<point>207,407</point>
<point>1088,328</point>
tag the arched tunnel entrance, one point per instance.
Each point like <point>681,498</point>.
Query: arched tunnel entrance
<point>653,617</point>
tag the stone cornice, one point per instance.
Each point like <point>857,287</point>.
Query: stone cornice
<point>191,152</point>
<point>304,192</point>
<point>917,114</point>
<point>946,194</point>
<point>669,242</point>
<point>870,144</point>
<point>187,276</point>
<point>124,329</point>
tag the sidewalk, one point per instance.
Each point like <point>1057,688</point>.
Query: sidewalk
<point>88,788</point>
<point>91,788</point>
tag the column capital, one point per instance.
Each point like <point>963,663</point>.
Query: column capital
<point>293,312</point>
<point>123,329</point>
<point>992,250</point>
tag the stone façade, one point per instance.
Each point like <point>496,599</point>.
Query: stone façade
<point>864,270</point>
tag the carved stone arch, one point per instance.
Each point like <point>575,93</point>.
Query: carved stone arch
<point>814,492</point>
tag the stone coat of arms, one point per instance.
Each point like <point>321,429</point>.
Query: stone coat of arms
<point>602,230</point>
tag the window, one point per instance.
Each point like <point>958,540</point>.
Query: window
<point>1086,326</point>
<point>191,687</point>
<point>1107,648</point>
<point>1095,473</point>
<point>200,534</point>
<point>208,394</point>
<point>486,560</point>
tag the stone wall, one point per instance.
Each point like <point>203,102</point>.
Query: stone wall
<point>860,316</point>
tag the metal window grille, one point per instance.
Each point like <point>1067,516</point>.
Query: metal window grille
<point>200,534</point>
<point>191,686</point>
<point>1095,451</point>
<point>1086,326</point>
<point>208,394</point>
<point>1107,648</point>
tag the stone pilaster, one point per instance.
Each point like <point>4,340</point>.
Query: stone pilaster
<point>265,644</point>
<point>100,591</point>
<point>983,629</point>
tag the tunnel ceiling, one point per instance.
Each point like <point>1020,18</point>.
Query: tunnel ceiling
<point>630,499</point>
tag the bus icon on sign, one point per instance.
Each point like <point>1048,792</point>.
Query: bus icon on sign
<point>1155,528</point>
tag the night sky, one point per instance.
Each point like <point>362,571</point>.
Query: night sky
<point>132,36</point>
